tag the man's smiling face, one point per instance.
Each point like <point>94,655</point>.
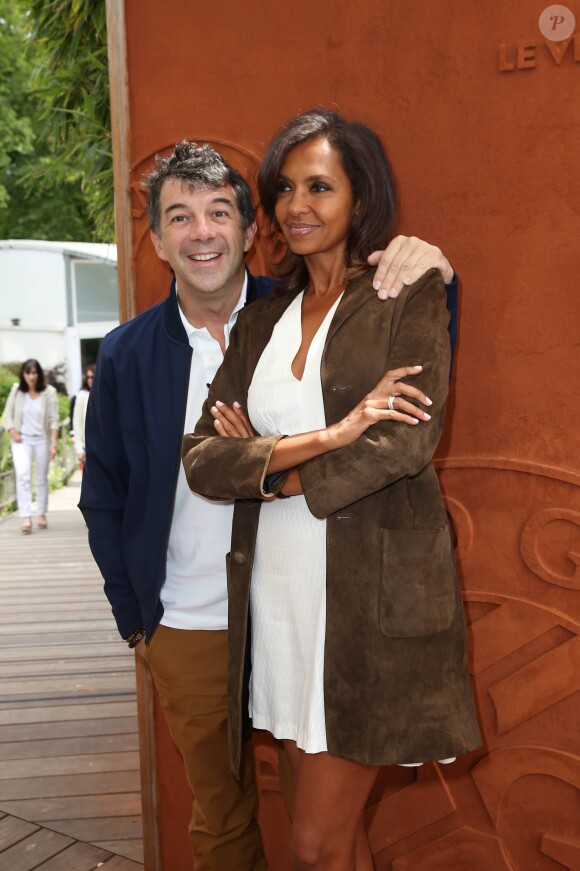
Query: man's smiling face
<point>202,238</point>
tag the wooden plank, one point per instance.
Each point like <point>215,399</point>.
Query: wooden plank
<point>20,595</point>
<point>22,630</point>
<point>32,599</point>
<point>117,863</point>
<point>33,851</point>
<point>94,743</point>
<point>89,764</point>
<point>36,549</point>
<point>46,638</point>
<point>44,810</point>
<point>93,830</point>
<point>72,587</point>
<point>69,729</point>
<point>22,560</point>
<point>106,782</point>
<point>89,694</point>
<point>32,569</point>
<point>45,553</point>
<point>76,591</point>
<point>14,830</point>
<point>19,621</point>
<point>42,551</point>
<point>43,713</point>
<point>129,849</point>
<point>61,667</point>
<point>73,686</point>
<point>78,857</point>
<point>68,665</point>
<point>25,614</point>
<point>32,652</point>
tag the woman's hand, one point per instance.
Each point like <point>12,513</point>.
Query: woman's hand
<point>52,451</point>
<point>391,386</point>
<point>14,435</point>
<point>232,422</point>
<point>385,402</point>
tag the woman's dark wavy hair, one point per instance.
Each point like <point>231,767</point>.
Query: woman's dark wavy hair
<point>85,382</point>
<point>371,177</point>
<point>29,366</point>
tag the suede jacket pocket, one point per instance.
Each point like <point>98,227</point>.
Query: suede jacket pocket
<point>418,588</point>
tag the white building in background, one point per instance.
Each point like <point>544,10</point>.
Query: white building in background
<point>57,301</point>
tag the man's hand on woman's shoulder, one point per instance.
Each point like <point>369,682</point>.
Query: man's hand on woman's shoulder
<point>403,261</point>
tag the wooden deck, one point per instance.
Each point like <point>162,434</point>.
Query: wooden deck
<point>69,764</point>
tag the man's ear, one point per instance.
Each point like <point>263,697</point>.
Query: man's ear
<point>157,244</point>
<point>249,234</point>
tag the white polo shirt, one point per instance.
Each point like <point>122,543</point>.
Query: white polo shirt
<point>194,594</point>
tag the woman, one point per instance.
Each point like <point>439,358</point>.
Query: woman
<point>31,419</point>
<point>80,412</point>
<point>358,635</point>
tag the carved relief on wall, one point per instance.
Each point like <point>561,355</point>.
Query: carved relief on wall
<point>152,276</point>
<point>515,804</point>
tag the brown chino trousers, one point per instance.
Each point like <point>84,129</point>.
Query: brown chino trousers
<point>190,671</point>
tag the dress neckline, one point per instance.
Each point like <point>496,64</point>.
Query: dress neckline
<point>324,322</point>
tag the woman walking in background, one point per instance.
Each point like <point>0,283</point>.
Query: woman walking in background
<point>80,413</point>
<point>31,420</point>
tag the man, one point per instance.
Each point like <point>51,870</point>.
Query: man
<point>160,548</point>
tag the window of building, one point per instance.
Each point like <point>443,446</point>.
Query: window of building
<point>97,294</point>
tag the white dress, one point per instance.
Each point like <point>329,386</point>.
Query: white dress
<point>288,589</point>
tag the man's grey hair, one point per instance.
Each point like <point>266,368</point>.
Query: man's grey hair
<point>201,167</point>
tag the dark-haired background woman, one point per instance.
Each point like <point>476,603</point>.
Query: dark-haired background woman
<point>357,629</point>
<point>79,413</point>
<point>31,419</point>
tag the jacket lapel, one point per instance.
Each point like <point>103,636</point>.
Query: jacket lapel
<point>358,291</point>
<point>262,326</point>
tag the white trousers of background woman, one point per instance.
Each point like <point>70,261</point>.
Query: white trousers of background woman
<point>22,453</point>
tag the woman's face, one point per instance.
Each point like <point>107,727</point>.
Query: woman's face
<point>31,378</point>
<point>315,202</point>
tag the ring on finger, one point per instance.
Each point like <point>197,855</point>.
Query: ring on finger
<point>391,403</point>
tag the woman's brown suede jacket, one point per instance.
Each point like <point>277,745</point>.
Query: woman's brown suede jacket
<point>396,685</point>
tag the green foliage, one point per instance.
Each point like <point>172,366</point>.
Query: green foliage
<point>55,141</point>
<point>16,134</point>
<point>5,452</point>
<point>47,209</point>
<point>63,406</point>
<point>7,379</point>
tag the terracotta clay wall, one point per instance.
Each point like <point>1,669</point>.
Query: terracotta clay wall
<point>481,116</point>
